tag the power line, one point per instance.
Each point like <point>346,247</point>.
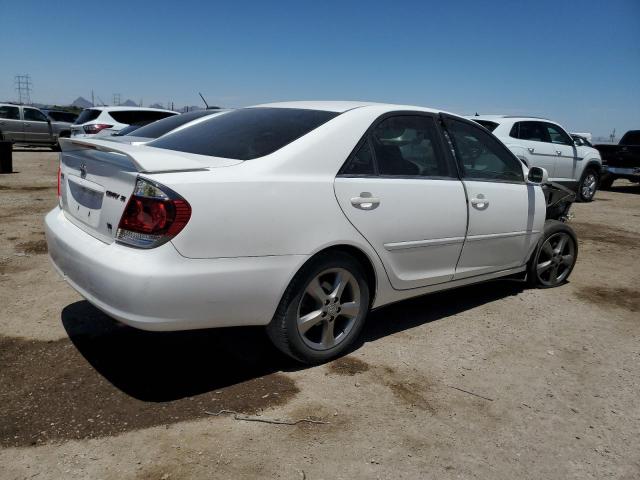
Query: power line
<point>23,87</point>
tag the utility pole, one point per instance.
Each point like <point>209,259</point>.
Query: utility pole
<point>23,87</point>
<point>612,137</point>
<point>93,103</point>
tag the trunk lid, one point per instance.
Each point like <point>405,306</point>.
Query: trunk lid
<point>98,178</point>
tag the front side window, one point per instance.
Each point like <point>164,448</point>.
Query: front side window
<point>246,133</point>
<point>407,145</point>
<point>532,131</point>
<point>10,113</point>
<point>557,135</point>
<point>481,155</point>
<point>34,115</point>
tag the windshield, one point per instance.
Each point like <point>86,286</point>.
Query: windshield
<point>245,134</point>
<point>632,137</point>
<point>62,116</point>
<point>159,128</point>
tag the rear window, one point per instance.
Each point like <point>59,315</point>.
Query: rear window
<point>632,137</point>
<point>138,116</point>
<point>245,134</point>
<point>87,116</point>
<point>491,126</point>
<point>159,128</point>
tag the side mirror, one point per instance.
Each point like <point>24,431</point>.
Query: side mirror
<point>538,176</point>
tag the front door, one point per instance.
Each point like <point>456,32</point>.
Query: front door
<point>401,192</point>
<point>535,139</point>
<point>506,215</point>
<point>567,159</point>
<point>37,128</point>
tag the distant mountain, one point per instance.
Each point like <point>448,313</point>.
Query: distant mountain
<point>82,102</point>
<point>129,103</point>
<point>156,105</point>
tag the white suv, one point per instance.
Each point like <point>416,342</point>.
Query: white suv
<point>543,143</point>
<point>109,120</point>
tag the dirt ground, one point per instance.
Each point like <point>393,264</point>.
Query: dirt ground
<point>493,381</point>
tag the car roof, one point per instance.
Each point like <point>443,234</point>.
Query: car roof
<point>343,106</point>
<point>115,109</point>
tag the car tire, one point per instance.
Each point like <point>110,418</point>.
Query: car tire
<point>554,257</point>
<point>588,185</point>
<point>310,323</point>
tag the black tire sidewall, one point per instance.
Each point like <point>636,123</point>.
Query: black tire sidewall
<point>298,348</point>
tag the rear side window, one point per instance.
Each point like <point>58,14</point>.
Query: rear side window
<point>159,128</point>
<point>10,113</point>
<point>87,115</point>
<point>246,133</point>
<point>138,116</point>
<point>532,131</point>
<point>407,146</point>
<point>481,155</point>
<point>361,162</point>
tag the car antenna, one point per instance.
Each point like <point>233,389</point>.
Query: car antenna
<point>205,102</point>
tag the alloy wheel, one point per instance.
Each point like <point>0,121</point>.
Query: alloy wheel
<point>555,259</point>
<point>328,308</point>
<point>589,185</point>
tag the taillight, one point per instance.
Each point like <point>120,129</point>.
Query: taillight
<point>95,128</point>
<point>154,215</point>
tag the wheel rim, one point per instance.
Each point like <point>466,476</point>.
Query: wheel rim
<point>555,259</point>
<point>589,185</point>
<point>328,308</point>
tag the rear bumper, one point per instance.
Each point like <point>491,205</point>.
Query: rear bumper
<point>159,289</point>
<point>630,173</point>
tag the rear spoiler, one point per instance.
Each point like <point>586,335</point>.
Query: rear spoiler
<point>148,159</point>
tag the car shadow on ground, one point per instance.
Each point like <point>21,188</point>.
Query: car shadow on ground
<point>625,188</point>
<point>160,367</point>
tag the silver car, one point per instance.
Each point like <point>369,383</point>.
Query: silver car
<point>29,126</point>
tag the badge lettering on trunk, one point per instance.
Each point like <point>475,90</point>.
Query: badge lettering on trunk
<point>115,195</point>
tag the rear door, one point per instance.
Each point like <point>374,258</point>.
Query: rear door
<point>567,158</point>
<point>37,128</point>
<point>11,126</point>
<point>402,193</point>
<point>505,213</point>
<point>535,138</point>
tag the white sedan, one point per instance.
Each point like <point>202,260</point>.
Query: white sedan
<point>299,216</point>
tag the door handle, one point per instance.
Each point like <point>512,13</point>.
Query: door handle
<point>365,201</point>
<point>531,149</point>
<point>480,202</point>
<point>27,124</point>
<point>558,152</point>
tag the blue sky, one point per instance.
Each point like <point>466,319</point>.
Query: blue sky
<point>576,62</point>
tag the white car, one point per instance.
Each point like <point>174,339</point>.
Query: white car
<point>542,143</point>
<point>108,120</point>
<point>299,216</point>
